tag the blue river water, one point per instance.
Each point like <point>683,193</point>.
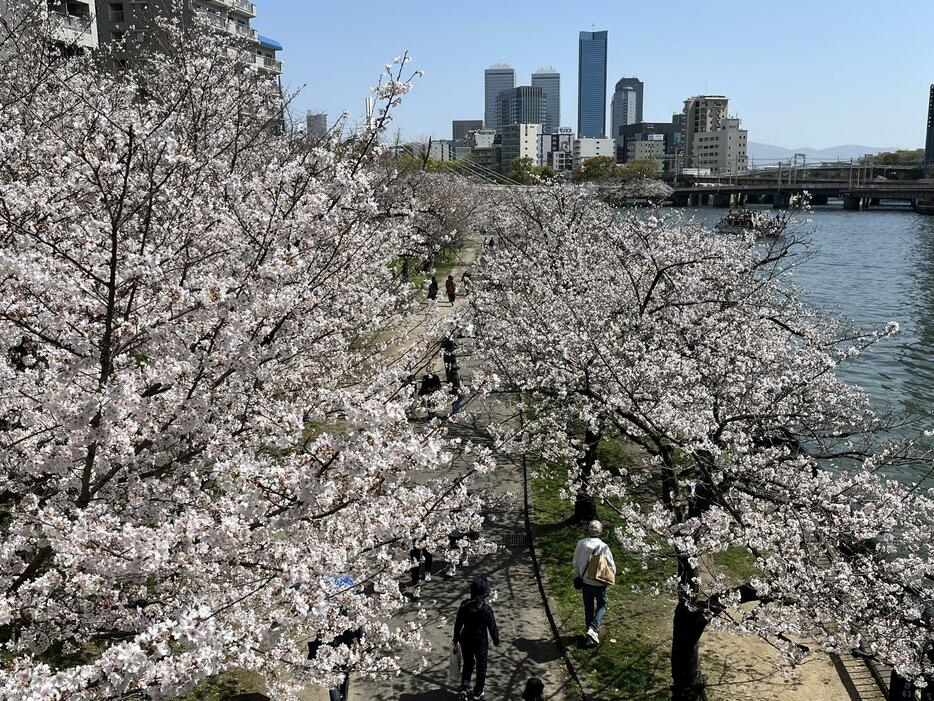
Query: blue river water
<point>874,267</point>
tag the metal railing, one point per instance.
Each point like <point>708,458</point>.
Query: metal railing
<point>245,6</point>
<point>79,24</point>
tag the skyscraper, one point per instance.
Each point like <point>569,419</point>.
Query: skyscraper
<point>496,79</point>
<point>522,105</point>
<point>549,80</point>
<point>591,85</point>
<point>929,142</point>
<point>626,107</point>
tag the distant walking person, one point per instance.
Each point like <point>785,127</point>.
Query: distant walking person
<point>433,288</point>
<point>451,289</point>
<point>595,570</point>
<point>474,620</point>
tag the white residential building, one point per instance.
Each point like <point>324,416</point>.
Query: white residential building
<point>592,148</point>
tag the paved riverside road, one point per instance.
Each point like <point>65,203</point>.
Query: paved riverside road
<point>527,646</point>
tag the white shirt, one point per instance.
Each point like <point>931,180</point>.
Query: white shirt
<point>585,548</point>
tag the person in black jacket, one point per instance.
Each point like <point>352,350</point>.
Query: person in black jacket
<point>474,619</point>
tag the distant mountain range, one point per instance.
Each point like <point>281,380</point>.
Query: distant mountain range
<point>761,154</point>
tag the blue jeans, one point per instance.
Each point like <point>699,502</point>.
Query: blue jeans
<point>594,595</point>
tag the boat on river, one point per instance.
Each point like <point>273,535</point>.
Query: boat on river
<point>756,222</point>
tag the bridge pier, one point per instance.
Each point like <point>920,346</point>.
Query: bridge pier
<point>725,199</point>
<point>854,203</point>
<point>819,200</point>
<point>781,200</point>
<point>923,206</point>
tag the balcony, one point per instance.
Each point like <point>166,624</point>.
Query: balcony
<point>263,63</point>
<point>245,7</point>
<point>243,30</point>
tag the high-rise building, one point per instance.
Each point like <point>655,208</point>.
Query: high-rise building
<point>702,113</point>
<point>496,79</point>
<point>137,22</point>
<point>316,124</point>
<point>460,127</point>
<point>591,85</point>
<point>626,106</point>
<point>549,80</point>
<point>522,105</point>
<point>929,141</point>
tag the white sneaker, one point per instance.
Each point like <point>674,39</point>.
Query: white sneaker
<point>592,634</point>
<point>427,577</point>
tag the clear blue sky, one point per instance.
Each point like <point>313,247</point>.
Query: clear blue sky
<point>814,73</point>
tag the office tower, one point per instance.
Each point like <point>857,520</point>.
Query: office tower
<point>626,106</point>
<point>522,105</point>
<point>316,124</point>
<point>549,80</point>
<point>591,85</point>
<point>496,79</point>
<point>929,142</point>
<point>460,128</point>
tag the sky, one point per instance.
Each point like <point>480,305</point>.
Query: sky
<point>815,73</point>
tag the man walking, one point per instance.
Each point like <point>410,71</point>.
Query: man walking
<point>586,566</point>
<point>474,619</point>
<point>451,289</point>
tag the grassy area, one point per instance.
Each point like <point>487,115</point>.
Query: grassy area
<point>632,659</point>
<point>226,686</point>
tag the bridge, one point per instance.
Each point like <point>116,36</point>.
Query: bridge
<point>853,195</point>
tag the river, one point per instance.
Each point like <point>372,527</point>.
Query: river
<point>874,267</point>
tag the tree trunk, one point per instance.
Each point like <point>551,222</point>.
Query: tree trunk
<point>585,508</point>
<point>687,684</point>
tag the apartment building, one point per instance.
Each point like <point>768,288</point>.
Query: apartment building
<point>134,21</point>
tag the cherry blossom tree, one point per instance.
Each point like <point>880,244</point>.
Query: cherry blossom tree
<point>206,462</point>
<point>697,349</point>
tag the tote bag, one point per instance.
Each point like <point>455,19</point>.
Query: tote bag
<point>598,569</point>
<point>454,666</point>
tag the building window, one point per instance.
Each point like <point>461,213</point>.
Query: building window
<point>115,12</point>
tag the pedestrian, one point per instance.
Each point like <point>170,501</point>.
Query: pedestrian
<point>465,281</point>
<point>451,289</point>
<point>534,690</point>
<point>430,383</point>
<point>433,288</point>
<point>595,570</point>
<point>474,622</point>
<point>492,244</point>
<point>447,354</point>
<point>420,556</point>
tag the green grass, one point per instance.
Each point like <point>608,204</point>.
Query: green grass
<point>225,686</point>
<point>636,665</point>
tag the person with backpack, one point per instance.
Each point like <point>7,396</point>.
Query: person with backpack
<point>595,571</point>
<point>475,620</point>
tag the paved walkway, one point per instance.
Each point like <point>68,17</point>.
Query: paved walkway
<point>528,648</point>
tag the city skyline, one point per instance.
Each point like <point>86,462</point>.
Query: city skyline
<point>735,64</point>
